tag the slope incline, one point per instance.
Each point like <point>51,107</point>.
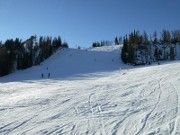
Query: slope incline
<point>72,62</point>
<point>112,100</point>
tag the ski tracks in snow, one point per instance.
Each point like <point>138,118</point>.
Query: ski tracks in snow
<point>115,103</point>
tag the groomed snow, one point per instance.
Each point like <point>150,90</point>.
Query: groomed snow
<point>91,92</point>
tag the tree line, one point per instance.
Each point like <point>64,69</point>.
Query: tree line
<point>140,48</point>
<point>16,54</point>
<point>117,41</point>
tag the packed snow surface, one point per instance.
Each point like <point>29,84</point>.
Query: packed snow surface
<point>91,92</point>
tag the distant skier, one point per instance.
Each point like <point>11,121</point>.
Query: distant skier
<point>49,75</point>
<point>42,75</point>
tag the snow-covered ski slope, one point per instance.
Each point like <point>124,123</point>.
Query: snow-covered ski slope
<point>72,62</point>
<point>91,92</point>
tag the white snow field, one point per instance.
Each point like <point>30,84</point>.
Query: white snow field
<point>91,92</point>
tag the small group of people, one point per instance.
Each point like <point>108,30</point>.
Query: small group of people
<point>48,75</point>
<point>42,75</point>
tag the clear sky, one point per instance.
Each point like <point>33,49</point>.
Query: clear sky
<point>80,22</point>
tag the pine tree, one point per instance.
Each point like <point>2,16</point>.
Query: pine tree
<point>124,51</point>
<point>172,53</point>
<point>6,63</point>
<point>165,37</point>
<point>155,41</point>
<point>116,41</point>
<point>175,36</point>
<point>59,42</point>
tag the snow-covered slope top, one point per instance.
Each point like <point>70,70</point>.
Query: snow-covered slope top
<point>107,48</point>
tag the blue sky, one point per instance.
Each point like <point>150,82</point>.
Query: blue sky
<point>80,22</point>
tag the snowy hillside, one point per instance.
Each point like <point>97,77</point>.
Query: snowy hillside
<point>91,92</point>
<point>73,62</point>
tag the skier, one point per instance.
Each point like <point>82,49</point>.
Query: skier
<point>42,75</point>
<point>49,75</point>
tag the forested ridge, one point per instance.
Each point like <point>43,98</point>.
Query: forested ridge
<point>16,54</point>
<point>140,48</point>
